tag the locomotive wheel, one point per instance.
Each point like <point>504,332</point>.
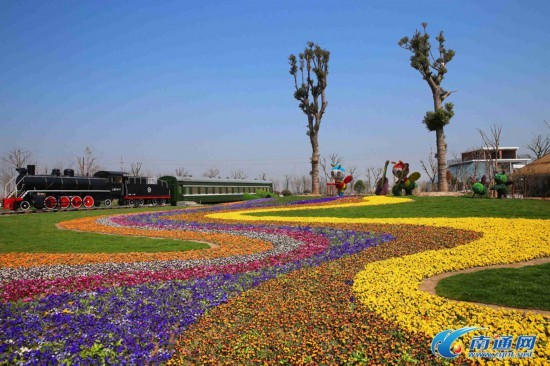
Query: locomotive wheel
<point>50,202</point>
<point>76,202</point>
<point>162,201</point>
<point>64,202</point>
<point>141,202</point>
<point>88,201</point>
<point>25,205</point>
<point>131,202</point>
<point>108,203</point>
<point>154,202</point>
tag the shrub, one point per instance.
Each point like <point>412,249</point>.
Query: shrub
<point>264,194</point>
<point>250,196</point>
<point>286,192</point>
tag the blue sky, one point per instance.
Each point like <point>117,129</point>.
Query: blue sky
<point>206,84</point>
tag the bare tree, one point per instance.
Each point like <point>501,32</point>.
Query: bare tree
<point>433,71</point>
<point>300,184</point>
<point>262,176</point>
<point>135,168</point>
<point>211,173</point>
<point>12,160</point>
<point>312,69</point>
<point>327,163</point>
<point>540,146</point>
<point>333,159</point>
<point>17,158</point>
<point>288,179</point>
<point>238,174</point>
<point>461,174</point>
<point>491,143</point>
<point>430,167</point>
<point>87,163</point>
<point>276,185</point>
<point>305,182</point>
<point>182,172</point>
<point>373,174</point>
<point>351,171</point>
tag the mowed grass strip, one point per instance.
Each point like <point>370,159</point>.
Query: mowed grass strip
<point>525,287</point>
<point>434,207</point>
<point>37,233</point>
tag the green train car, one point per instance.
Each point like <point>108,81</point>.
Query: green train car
<point>212,190</point>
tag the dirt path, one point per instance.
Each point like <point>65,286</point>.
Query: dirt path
<point>428,284</point>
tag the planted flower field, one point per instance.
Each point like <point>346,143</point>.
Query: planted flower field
<point>270,288</point>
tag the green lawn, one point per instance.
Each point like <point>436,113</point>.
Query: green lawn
<point>525,287</point>
<point>37,233</point>
<point>436,207</point>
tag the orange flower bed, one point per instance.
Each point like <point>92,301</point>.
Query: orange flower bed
<point>225,245</point>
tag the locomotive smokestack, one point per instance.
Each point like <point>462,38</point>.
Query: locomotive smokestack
<point>56,172</point>
<point>68,173</point>
<point>31,169</point>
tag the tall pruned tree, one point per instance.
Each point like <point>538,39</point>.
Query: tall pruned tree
<point>310,71</point>
<point>433,70</point>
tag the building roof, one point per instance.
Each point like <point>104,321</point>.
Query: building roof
<point>538,167</point>
<point>220,180</point>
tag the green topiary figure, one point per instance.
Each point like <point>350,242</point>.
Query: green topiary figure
<point>501,185</point>
<point>479,189</point>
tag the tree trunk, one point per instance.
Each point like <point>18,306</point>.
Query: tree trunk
<point>440,145</point>
<point>314,163</point>
<point>441,160</point>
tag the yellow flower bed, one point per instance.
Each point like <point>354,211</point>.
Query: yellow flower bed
<point>391,287</point>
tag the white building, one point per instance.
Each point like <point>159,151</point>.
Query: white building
<point>480,162</point>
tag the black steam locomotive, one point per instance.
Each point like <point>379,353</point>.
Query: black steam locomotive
<point>67,190</point>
